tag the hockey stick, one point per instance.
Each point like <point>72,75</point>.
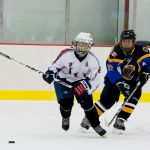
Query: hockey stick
<point>34,69</point>
<point>110,122</point>
<point>63,83</point>
<point>29,67</point>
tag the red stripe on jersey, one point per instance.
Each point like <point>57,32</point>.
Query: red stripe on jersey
<point>62,53</point>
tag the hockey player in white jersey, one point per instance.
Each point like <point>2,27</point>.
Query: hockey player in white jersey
<point>80,68</point>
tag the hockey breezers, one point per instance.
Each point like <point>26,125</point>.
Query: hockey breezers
<point>110,122</point>
<point>35,70</point>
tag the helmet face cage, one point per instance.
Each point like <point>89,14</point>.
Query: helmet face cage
<point>84,38</point>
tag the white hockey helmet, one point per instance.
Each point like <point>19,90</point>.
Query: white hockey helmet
<point>82,43</point>
<point>84,37</point>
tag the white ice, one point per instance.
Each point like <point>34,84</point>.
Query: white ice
<point>36,125</point>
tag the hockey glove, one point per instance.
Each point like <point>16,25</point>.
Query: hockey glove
<point>81,87</point>
<point>124,88</point>
<point>143,77</point>
<point>48,76</point>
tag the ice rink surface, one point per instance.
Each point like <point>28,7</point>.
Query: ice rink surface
<point>36,125</point>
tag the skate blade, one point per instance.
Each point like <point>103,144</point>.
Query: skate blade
<point>82,130</point>
<point>117,131</point>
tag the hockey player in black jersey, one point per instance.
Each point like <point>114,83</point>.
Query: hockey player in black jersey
<point>127,64</point>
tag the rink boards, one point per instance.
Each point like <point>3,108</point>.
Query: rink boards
<point>19,83</point>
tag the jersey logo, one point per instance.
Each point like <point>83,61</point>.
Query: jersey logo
<point>128,72</point>
<point>70,67</point>
<point>70,64</point>
<point>86,65</point>
<point>145,49</point>
<point>113,53</point>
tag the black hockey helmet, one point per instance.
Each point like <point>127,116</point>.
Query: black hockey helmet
<point>128,34</point>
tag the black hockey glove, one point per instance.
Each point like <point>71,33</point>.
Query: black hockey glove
<point>48,76</point>
<point>81,87</point>
<point>143,77</point>
<point>124,88</point>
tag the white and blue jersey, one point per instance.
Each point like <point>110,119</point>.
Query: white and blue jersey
<point>70,67</point>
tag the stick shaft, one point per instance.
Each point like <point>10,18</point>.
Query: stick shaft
<point>138,84</point>
<point>27,66</point>
<point>34,69</point>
